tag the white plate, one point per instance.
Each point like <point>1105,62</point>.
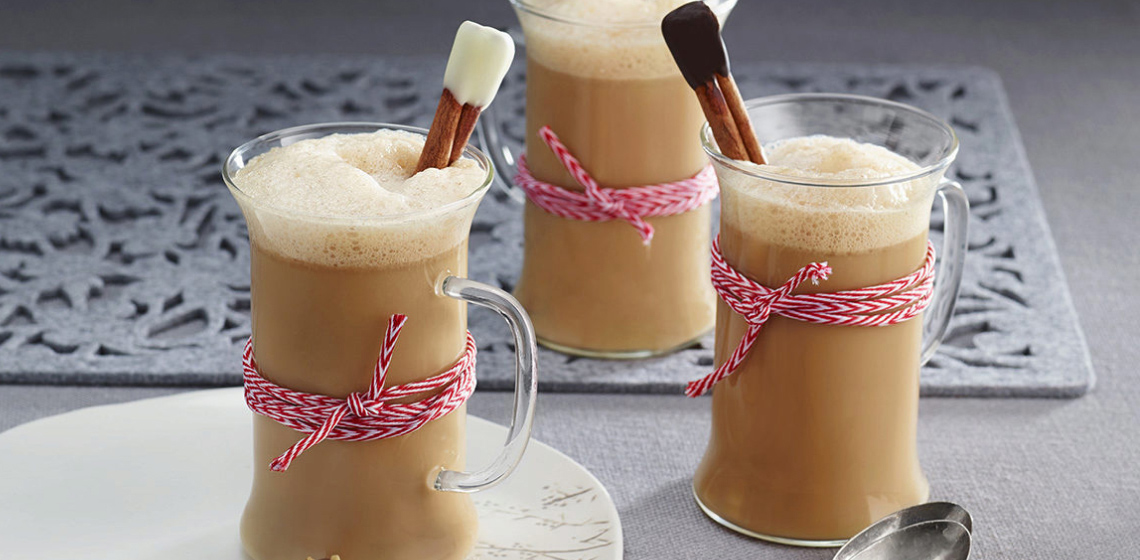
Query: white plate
<point>167,479</point>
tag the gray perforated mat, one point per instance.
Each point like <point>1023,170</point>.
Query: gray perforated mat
<point>123,259</point>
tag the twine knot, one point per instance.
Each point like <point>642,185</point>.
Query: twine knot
<point>599,204</point>
<point>756,310</point>
<point>876,306</point>
<point>373,416</point>
<point>361,406</point>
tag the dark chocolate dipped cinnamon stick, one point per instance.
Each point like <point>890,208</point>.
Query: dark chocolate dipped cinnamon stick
<point>692,32</point>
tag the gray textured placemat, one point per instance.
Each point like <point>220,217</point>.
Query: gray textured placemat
<point>123,259</point>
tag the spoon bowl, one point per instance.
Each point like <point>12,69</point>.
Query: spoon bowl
<point>929,540</point>
<point>933,531</point>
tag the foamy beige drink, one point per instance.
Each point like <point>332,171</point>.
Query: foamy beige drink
<point>601,77</point>
<point>342,236</point>
<point>813,435</point>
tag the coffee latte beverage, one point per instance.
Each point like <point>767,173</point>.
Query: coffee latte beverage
<point>601,77</point>
<point>342,236</point>
<point>813,436</point>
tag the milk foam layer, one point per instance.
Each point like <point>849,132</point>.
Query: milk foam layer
<point>630,48</point>
<point>829,219</point>
<point>324,200</point>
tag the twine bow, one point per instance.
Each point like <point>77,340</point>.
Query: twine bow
<point>599,204</point>
<point>876,306</point>
<point>361,416</point>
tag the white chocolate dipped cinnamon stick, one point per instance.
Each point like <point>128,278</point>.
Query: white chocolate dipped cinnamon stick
<point>479,60</point>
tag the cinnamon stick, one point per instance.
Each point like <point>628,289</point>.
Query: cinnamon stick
<point>692,33</point>
<point>480,57</point>
<point>441,136</point>
<point>740,117</point>
<point>466,125</point>
<point>721,120</point>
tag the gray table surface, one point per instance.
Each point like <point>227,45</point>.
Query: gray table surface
<point>1046,479</point>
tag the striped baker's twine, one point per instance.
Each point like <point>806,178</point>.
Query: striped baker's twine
<point>599,204</point>
<point>876,306</point>
<point>364,416</point>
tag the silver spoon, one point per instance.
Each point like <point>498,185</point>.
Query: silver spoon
<point>934,531</point>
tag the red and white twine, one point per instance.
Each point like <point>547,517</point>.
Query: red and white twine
<point>876,306</point>
<point>599,204</point>
<point>364,416</point>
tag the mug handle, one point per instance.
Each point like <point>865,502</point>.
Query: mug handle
<point>948,280</point>
<point>526,386</point>
<point>491,140</point>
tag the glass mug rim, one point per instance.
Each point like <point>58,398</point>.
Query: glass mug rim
<point>528,6</point>
<point>236,161</point>
<point>752,170</point>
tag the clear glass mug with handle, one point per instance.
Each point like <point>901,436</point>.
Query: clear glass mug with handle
<point>323,287</point>
<point>814,435</point>
<point>606,84</point>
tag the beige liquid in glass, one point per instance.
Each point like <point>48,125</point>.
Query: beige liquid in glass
<point>323,290</point>
<point>813,436</point>
<point>616,99</point>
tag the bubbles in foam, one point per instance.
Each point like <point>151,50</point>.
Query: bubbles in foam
<point>597,51</point>
<point>607,11</point>
<point>835,159</point>
<point>314,200</point>
<point>829,219</point>
<point>355,175</point>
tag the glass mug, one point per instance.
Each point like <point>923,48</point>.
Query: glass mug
<point>323,287</point>
<point>814,435</point>
<point>614,96</point>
